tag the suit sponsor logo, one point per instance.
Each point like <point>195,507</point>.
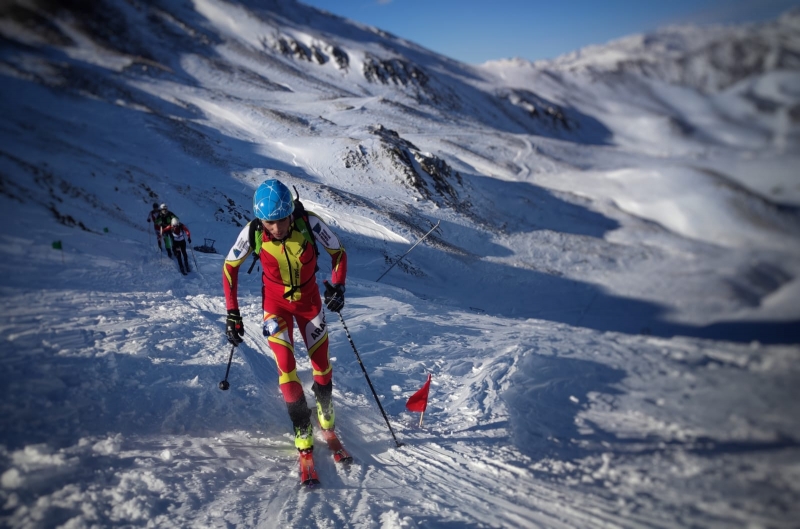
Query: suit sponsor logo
<point>325,236</point>
<point>239,248</point>
<point>316,333</point>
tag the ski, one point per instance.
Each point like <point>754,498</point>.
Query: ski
<point>340,455</point>
<point>308,475</point>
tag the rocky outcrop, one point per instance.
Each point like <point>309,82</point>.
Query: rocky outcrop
<point>538,108</point>
<point>396,71</point>
<point>431,176</point>
<point>356,158</point>
<point>440,173</point>
<point>319,53</point>
<point>340,57</point>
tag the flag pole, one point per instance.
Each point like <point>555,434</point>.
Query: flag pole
<point>418,402</point>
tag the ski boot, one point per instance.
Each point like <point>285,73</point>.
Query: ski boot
<point>325,413</point>
<point>304,438</point>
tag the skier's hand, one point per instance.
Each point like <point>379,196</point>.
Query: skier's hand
<point>190,240</point>
<point>234,327</point>
<point>334,297</point>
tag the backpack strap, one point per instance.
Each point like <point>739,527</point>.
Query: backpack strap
<point>254,235</point>
<point>302,222</point>
<point>254,238</point>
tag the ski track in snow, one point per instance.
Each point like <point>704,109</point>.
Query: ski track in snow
<point>124,375</point>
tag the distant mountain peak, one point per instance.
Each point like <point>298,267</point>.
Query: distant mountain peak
<point>707,58</point>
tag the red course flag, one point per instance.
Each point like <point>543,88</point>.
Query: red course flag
<point>419,400</point>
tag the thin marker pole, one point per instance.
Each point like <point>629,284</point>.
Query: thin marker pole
<point>409,250</point>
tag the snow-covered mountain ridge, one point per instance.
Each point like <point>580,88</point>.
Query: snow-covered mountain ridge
<point>678,80</point>
<point>608,308</point>
<point>707,58</point>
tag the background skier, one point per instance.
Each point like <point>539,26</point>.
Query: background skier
<point>281,238</point>
<point>151,217</point>
<point>163,220</point>
<point>179,233</point>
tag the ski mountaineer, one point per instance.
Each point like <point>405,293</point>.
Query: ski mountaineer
<point>281,238</point>
<point>163,221</point>
<point>151,217</point>
<point>179,233</point>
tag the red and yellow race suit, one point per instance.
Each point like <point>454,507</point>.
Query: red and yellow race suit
<point>178,233</point>
<point>290,292</point>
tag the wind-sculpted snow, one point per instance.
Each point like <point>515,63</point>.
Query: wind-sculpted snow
<point>608,307</point>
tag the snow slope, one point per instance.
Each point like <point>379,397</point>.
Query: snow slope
<point>609,308</point>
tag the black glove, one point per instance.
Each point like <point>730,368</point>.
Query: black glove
<point>235,328</point>
<point>190,240</point>
<point>334,297</point>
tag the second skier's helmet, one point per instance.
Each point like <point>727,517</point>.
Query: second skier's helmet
<point>164,207</point>
<point>273,200</point>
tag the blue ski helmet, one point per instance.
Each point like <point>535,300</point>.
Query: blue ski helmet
<point>273,200</point>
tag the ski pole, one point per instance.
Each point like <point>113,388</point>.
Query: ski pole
<point>164,240</point>
<point>409,250</point>
<point>385,418</point>
<point>255,259</point>
<point>224,385</point>
<point>193,257</point>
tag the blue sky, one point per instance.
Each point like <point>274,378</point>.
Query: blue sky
<point>474,31</point>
